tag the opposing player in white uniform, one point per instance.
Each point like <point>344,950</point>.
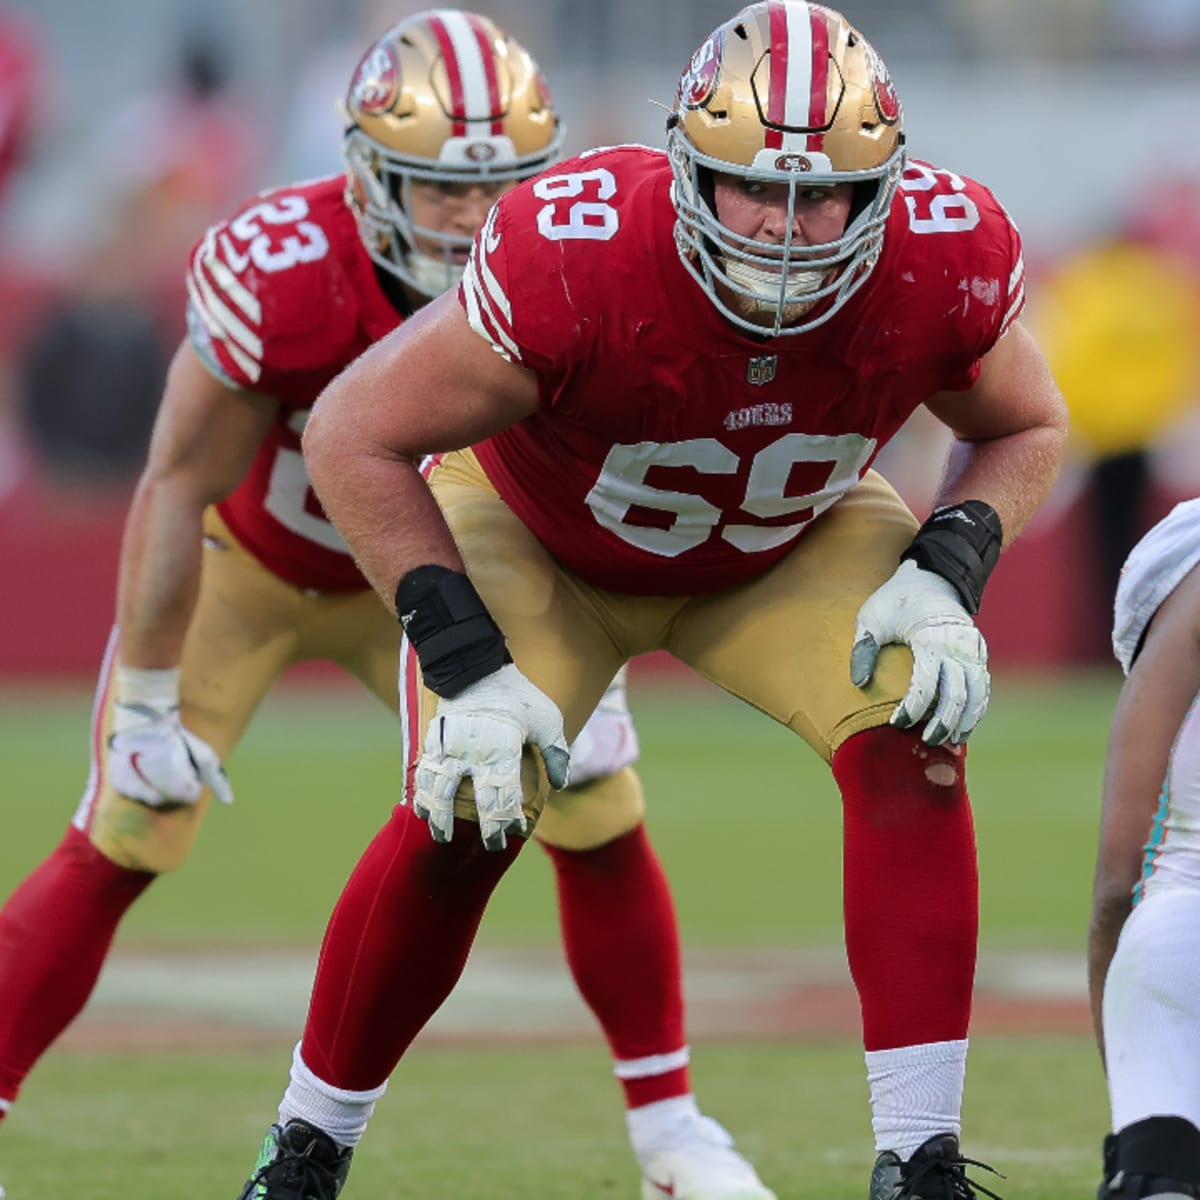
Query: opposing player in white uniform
<point>230,572</point>
<point>1146,995</point>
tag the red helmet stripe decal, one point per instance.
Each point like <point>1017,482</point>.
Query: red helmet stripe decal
<point>799,84</point>
<point>819,87</point>
<point>489,70</point>
<point>777,96</point>
<point>453,73</point>
<point>466,49</point>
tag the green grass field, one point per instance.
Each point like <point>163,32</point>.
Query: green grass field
<point>747,823</point>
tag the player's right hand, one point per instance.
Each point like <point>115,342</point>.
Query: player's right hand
<point>481,733</point>
<point>154,760</point>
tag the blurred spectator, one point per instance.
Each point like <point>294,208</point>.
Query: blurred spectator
<point>176,158</point>
<point>1118,323</point>
<point>90,379</point>
<point>164,166</point>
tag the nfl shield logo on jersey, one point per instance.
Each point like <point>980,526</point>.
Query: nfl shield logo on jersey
<point>761,369</point>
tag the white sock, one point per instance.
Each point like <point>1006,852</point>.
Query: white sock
<point>1152,1011</point>
<point>916,1093</point>
<point>648,1123</point>
<point>341,1114</point>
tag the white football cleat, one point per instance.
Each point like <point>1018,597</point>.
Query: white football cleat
<point>694,1159</point>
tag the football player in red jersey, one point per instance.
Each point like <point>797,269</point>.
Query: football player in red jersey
<point>667,377</point>
<point>230,571</point>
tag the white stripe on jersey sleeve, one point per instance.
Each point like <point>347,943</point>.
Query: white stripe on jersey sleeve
<point>250,367</point>
<point>242,343</point>
<point>489,311</point>
<point>487,242</point>
<point>229,284</point>
<point>1016,292</point>
<point>486,324</point>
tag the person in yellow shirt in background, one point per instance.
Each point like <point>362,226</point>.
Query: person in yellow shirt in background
<point>1120,325</point>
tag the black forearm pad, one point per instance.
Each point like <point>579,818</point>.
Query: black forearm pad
<point>961,543</point>
<point>456,640</point>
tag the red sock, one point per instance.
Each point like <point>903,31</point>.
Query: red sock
<point>55,932</point>
<point>911,888</point>
<point>622,944</point>
<point>395,946</point>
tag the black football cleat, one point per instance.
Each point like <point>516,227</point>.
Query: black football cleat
<point>936,1171</point>
<point>1123,1186</point>
<point>298,1162</point>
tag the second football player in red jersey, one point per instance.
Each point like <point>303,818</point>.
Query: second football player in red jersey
<point>659,393</point>
<point>230,572</point>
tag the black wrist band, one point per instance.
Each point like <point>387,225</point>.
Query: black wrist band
<point>456,640</point>
<point>961,543</point>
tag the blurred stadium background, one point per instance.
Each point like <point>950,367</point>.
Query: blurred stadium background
<point>126,126</point>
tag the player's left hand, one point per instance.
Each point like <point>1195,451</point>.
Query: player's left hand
<point>923,611</point>
<point>481,733</point>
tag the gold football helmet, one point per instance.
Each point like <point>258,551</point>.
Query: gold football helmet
<point>784,92</point>
<point>444,97</point>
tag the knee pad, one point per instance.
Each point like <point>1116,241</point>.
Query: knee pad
<point>596,812</point>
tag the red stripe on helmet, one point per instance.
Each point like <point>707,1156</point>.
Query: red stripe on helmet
<point>487,54</point>
<point>819,96</point>
<point>777,93</point>
<point>453,74</point>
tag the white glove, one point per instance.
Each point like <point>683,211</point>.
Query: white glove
<point>924,612</point>
<point>480,732</point>
<point>152,758</point>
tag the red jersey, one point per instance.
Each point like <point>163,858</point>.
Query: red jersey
<point>671,452</point>
<point>283,297</point>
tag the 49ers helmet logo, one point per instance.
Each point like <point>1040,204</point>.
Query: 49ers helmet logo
<point>886,99</point>
<point>793,162</point>
<point>700,79</point>
<point>377,80</point>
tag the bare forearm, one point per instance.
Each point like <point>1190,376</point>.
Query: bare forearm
<point>159,577</point>
<point>1013,474</point>
<point>384,509</point>
<point>1107,922</point>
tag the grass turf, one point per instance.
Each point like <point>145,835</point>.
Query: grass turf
<point>746,818</point>
<point>533,1122</point>
<point>747,823</point>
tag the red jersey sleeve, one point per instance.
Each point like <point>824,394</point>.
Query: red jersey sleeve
<point>557,256</point>
<point>956,228</point>
<point>504,262</point>
<point>269,299</point>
